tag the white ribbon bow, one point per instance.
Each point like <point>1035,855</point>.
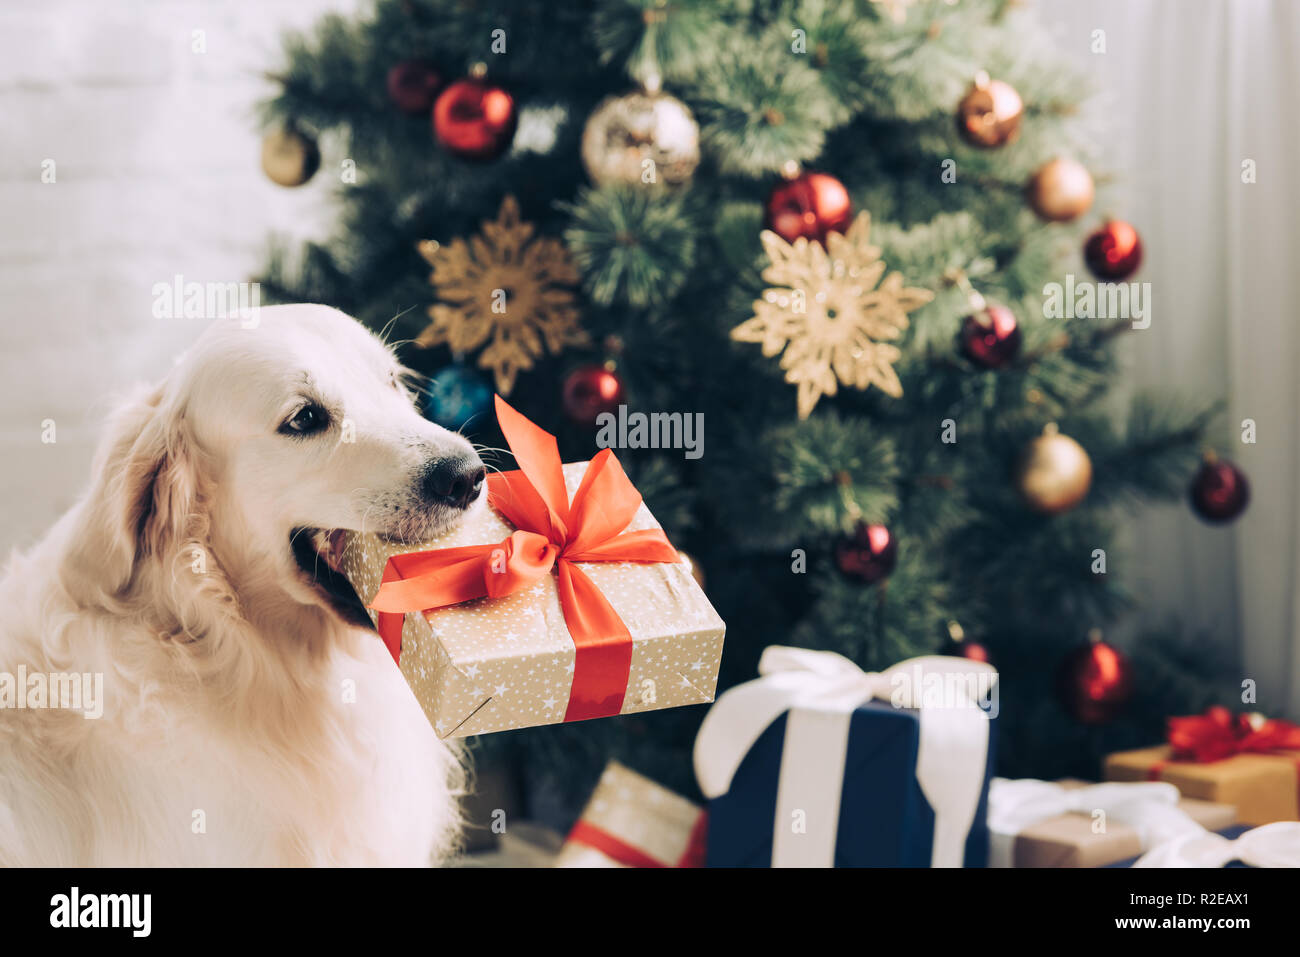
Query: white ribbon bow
<point>820,690</point>
<point>1273,845</point>
<point>1149,807</point>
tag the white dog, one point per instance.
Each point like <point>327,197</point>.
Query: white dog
<point>251,716</point>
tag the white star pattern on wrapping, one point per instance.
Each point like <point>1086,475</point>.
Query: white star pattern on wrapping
<point>519,644</point>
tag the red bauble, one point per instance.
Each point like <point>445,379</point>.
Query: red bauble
<point>1114,251</point>
<point>972,650</point>
<point>868,555</point>
<point>809,205</point>
<point>990,338</point>
<point>589,391</point>
<point>413,85</point>
<point>474,119</point>
<point>1220,492</point>
<point>1095,682</point>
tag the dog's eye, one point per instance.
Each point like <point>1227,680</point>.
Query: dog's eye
<point>308,419</point>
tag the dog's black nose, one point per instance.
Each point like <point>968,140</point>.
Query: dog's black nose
<point>454,481</point>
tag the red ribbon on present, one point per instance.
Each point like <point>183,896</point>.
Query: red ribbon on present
<point>1219,734</point>
<point>617,849</point>
<point>551,534</point>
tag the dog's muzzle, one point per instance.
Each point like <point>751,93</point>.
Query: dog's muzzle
<point>454,481</point>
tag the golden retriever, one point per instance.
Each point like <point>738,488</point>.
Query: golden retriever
<point>251,716</point>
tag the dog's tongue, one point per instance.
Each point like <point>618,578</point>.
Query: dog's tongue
<point>334,550</point>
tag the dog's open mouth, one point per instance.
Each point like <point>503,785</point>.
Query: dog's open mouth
<point>318,554</point>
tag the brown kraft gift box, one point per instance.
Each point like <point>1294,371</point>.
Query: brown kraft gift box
<point>1263,787</point>
<point>1068,840</point>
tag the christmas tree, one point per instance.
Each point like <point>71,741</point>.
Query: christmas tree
<point>828,227</point>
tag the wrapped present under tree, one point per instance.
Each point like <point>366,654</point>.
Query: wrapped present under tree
<point>819,764</point>
<point>631,821</point>
<point>1074,824</point>
<point>1245,760</point>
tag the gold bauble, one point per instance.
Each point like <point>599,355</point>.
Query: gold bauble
<point>641,138</point>
<point>990,112</point>
<point>288,157</point>
<point>1054,473</point>
<point>1061,190</point>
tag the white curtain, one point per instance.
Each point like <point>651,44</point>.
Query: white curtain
<point>1191,90</point>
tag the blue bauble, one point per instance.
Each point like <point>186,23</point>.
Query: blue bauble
<point>456,395</point>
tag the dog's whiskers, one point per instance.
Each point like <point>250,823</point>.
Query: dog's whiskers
<point>487,455</point>
<point>388,326</point>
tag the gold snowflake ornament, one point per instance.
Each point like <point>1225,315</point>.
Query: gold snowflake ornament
<point>827,314</point>
<point>505,287</point>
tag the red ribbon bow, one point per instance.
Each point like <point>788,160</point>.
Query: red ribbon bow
<point>1219,734</point>
<point>551,534</point>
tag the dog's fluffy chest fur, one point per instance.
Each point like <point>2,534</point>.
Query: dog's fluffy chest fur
<point>351,778</point>
<point>322,758</point>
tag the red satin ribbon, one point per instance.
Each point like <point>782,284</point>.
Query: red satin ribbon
<point>551,534</point>
<point>1219,734</point>
<point>620,850</point>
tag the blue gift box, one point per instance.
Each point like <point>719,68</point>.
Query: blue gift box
<point>884,817</point>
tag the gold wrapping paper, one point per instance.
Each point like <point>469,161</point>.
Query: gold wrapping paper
<point>1263,787</point>
<point>1069,841</point>
<point>638,812</point>
<point>496,664</point>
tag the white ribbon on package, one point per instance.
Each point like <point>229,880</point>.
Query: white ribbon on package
<point>1149,807</point>
<point>821,690</point>
<point>1273,845</point>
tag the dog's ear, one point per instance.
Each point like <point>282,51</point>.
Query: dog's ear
<point>144,490</point>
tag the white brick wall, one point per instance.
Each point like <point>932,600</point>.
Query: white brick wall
<point>157,163</point>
